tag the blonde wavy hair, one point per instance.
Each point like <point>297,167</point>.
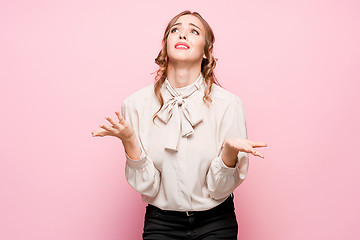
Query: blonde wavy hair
<point>207,65</point>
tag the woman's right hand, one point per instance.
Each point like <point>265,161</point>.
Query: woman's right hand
<point>121,129</point>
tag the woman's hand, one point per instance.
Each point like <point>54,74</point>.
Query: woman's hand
<point>124,131</point>
<point>121,129</point>
<point>244,145</point>
<point>232,146</point>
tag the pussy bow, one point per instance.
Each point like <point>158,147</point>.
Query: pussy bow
<point>180,114</point>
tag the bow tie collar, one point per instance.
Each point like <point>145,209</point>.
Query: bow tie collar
<point>179,113</point>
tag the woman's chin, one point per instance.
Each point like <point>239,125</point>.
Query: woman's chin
<point>184,60</point>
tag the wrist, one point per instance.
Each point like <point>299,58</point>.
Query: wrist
<point>129,141</point>
<point>229,156</point>
<point>132,148</point>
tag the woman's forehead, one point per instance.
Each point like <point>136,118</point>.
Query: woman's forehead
<point>186,19</point>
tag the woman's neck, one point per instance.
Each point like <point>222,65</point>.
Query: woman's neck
<point>182,76</point>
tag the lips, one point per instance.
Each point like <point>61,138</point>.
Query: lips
<point>182,45</point>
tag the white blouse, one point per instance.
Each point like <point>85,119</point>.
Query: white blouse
<point>180,167</point>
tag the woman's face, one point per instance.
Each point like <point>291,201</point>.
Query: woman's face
<point>186,40</point>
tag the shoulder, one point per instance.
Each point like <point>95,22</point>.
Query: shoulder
<point>223,96</point>
<point>227,103</point>
<point>140,96</point>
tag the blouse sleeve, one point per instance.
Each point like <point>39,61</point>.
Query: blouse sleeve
<point>222,180</point>
<point>140,174</point>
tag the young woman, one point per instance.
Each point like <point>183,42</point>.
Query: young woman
<point>185,139</point>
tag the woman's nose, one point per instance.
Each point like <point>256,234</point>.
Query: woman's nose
<point>182,35</point>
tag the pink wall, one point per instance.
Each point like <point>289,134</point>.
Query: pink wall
<point>65,65</point>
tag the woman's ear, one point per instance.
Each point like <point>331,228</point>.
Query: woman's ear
<point>204,56</point>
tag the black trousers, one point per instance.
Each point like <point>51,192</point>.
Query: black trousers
<point>218,223</point>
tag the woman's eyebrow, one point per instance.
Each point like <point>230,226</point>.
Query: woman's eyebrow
<point>179,23</point>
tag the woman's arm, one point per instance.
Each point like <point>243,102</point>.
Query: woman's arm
<point>140,171</point>
<point>229,169</point>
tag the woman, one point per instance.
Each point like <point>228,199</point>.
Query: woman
<point>185,139</point>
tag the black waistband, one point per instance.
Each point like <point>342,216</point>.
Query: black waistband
<point>227,205</point>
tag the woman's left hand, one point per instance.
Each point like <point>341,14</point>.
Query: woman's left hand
<point>244,145</point>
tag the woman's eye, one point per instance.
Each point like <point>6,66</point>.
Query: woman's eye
<point>196,32</point>
<point>193,31</point>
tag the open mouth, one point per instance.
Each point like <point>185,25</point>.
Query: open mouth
<point>182,46</point>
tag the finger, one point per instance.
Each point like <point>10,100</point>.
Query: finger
<point>120,117</point>
<point>257,144</point>
<point>256,153</point>
<point>247,149</point>
<point>99,133</point>
<point>251,150</point>
<point>112,121</point>
<point>108,128</point>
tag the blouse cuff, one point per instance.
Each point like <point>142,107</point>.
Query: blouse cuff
<point>141,163</point>
<point>241,166</point>
<point>225,170</point>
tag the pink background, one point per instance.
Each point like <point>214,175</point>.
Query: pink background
<point>65,65</point>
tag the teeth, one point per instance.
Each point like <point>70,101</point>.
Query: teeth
<point>181,46</point>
